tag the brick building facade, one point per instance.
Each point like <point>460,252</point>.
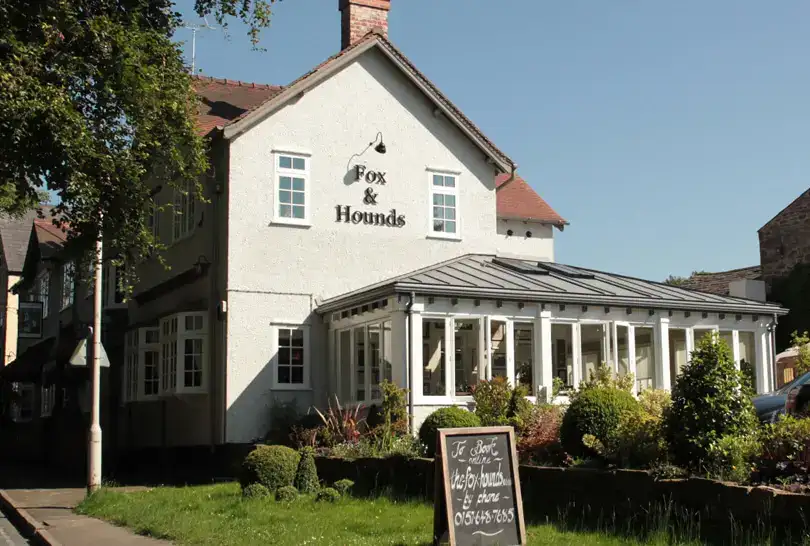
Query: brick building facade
<point>784,241</point>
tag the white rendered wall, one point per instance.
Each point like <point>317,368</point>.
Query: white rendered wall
<point>277,272</point>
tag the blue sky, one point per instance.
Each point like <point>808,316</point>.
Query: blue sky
<point>667,133</point>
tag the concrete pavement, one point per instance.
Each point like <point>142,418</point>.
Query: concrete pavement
<point>9,536</point>
<point>53,509</point>
<point>41,503</point>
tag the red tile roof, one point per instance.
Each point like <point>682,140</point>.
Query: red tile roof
<point>517,200</point>
<point>223,101</point>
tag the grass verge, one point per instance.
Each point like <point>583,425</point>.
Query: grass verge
<point>217,514</point>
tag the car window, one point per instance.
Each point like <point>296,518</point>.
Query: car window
<point>801,380</point>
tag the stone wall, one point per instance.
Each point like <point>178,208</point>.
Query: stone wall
<point>785,240</point>
<point>550,492</point>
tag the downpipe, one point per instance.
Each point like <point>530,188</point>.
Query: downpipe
<point>409,358</point>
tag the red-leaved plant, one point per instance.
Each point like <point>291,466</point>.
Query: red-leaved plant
<point>539,442</point>
<point>342,425</point>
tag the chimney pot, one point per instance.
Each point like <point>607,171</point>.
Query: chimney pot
<point>360,17</point>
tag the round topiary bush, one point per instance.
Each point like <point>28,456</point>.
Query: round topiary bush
<point>306,477</point>
<point>255,491</point>
<point>271,466</point>
<point>596,411</point>
<point>452,417</point>
<point>288,493</point>
<point>327,494</point>
<point>344,487</point>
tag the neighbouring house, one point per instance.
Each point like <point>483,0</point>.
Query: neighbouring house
<point>784,242</point>
<point>359,227</point>
<point>50,399</point>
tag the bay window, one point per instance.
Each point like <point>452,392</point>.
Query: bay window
<point>184,358</point>
<point>141,364</point>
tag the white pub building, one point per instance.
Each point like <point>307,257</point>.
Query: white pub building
<point>361,228</point>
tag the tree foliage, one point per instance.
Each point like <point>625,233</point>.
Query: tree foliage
<point>802,345</point>
<point>97,101</point>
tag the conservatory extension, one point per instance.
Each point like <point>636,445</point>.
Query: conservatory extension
<point>439,330</point>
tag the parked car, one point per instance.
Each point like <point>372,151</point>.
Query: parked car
<point>771,405</point>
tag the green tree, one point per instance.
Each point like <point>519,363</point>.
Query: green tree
<point>96,99</point>
<point>674,280</point>
<point>802,345</point>
<point>710,400</point>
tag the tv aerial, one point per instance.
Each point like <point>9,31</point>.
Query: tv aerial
<point>194,28</point>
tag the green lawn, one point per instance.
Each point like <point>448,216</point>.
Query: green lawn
<point>217,514</point>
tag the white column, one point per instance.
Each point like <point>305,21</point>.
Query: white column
<point>614,355</point>
<point>488,347</point>
<point>333,377</point>
<point>576,353</point>
<point>543,366</point>
<point>510,352</point>
<point>449,356</point>
<point>735,348</point>
<point>662,375</point>
<point>690,343</point>
<point>482,348</point>
<point>631,356</point>
<point>762,357</point>
<point>353,365</point>
<point>416,354</point>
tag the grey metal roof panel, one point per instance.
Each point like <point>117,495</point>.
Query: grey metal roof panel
<point>477,275</point>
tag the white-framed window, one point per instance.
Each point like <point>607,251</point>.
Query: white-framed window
<point>142,364</point>
<point>48,401</point>
<point>184,358</point>
<point>183,213</point>
<point>444,210</point>
<point>149,363</point>
<point>39,291</point>
<point>364,357</point>
<point>22,408</point>
<point>68,283</point>
<point>292,191</point>
<point>292,353</point>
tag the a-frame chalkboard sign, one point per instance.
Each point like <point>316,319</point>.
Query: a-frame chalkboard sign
<point>477,497</point>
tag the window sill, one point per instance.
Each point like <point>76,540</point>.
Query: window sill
<point>436,236</point>
<point>283,387</point>
<point>182,238</point>
<point>305,224</point>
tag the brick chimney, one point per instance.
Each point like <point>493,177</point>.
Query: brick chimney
<point>359,17</point>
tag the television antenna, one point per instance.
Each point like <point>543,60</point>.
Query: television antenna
<point>194,28</point>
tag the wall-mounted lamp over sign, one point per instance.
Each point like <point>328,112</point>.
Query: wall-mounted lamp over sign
<point>379,148</point>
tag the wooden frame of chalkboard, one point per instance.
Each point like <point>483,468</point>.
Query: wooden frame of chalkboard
<point>444,531</point>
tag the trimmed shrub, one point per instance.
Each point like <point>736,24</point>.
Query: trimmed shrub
<point>288,493</point>
<point>451,417</point>
<point>306,477</point>
<point>344,486</point>
<point>271,466</point>
<point>639,440</point>
<point>255,491</point>
<point>731,457</point>
<point>327,494</point>
<point>499,404</point>
<point>709,401</point>
<point>655,402</point>
<point>786,440</point>
<point>597,412</point>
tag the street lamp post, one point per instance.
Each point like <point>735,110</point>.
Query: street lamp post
<point>94,448</point>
